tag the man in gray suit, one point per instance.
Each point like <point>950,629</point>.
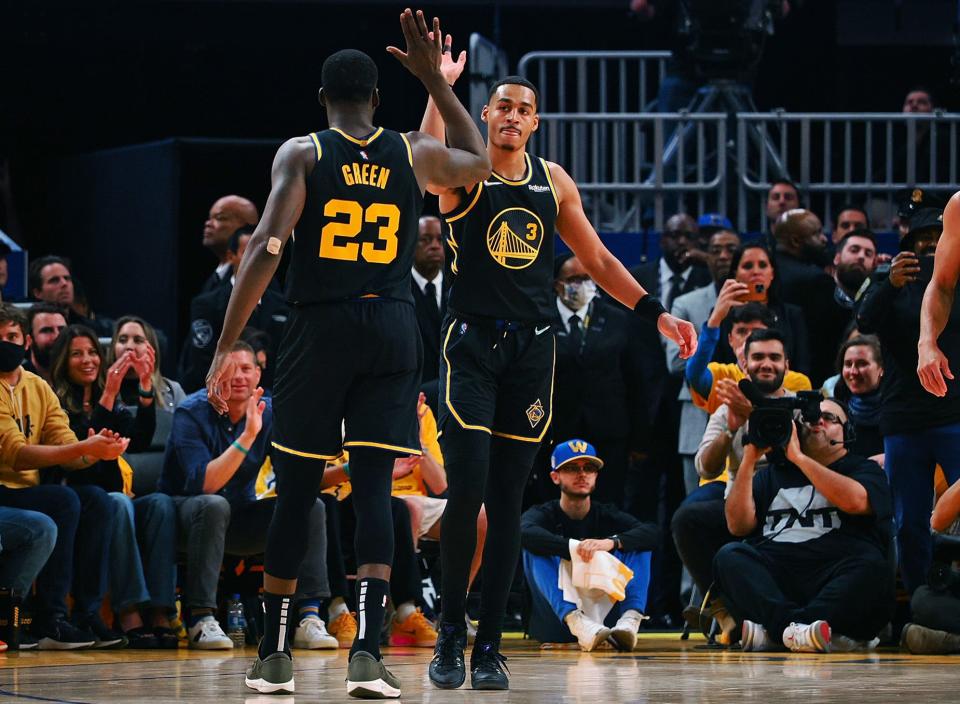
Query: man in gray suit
<point>696,307</point>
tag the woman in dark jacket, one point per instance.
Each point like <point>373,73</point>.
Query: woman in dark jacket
<point>89,395</point>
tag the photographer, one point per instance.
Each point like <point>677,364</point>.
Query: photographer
<point>699,528</point>
<point>817,562</point>
<point>936,605</point>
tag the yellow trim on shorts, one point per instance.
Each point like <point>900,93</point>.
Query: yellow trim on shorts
<point>298,453</point>
<point>465,426</point>
<point>553,189</point>
<point>546,425</point>
<point>476,197</point>
<point>316,141</point>
<point>361,142</point>
<point>380,445</point>
<point>406,143</point>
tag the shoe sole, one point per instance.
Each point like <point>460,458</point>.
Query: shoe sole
<point>372,689</point>
<point>449,685</point>
<point>625,641</point>
<point>822,636</point>
<point>489,685</point>
<point>598,638</point>
<point>50,644</point>
<point>111,644</point>
<point>264,687</point>
<point>30,646</point>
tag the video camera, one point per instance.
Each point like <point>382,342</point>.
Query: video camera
<point>942,576</point>
<point>771,422</point>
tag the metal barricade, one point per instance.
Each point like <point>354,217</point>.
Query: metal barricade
<point>617,161</point>
<point>838,157</point>
<point>595,81</point>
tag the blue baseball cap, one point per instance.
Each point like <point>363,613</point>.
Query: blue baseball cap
<point>715,220</point>
<point>573,450</point>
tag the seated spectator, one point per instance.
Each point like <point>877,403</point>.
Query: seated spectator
<point>50,280</point>
<point>409,626</point>
<point>919,430</point>
<point>45,321</point>
<point>210,470</point>
<point>545,534</point>
<point>28,539</point>
<point>208,309</point>
<point>35,434</point>
<point>818,576</point>
<point>861,370</point>
<point>699,528</point>
<point>91,398</point>
<point>135,335</point>
<point>848,218</point>
<point>755,278</point>
<point>696,307</point>
<point>226,216</point>
<point>854,263</point>
<point>705,377</point>
<point>936,606</point>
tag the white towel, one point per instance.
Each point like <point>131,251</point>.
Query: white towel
<point>593,586</point>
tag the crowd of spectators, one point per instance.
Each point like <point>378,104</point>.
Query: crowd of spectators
<point>122,488</point>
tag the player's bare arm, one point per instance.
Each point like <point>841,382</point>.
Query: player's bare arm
<point>466,161</point>
<point>932,364</point>
<point>609,273</point>
<point>284,205</point>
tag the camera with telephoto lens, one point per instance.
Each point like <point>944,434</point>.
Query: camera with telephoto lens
<point>771,421</point>
<point>942,576</point>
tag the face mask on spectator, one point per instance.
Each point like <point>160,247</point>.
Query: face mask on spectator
<point>11,356</point>
<point>577,294</point>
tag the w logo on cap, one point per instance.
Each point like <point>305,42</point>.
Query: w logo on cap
<point>578,446</point>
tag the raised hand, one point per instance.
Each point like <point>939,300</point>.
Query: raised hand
<point>680,331</point>
<point>423,55</point>
<point>451,69</point>
<point>731,295</point>
<point>105,445</point>
<point>116,373</point>
<point>254,415</point>
<point>222,369</point>
<point>904,269</point>
<point>144,365</point>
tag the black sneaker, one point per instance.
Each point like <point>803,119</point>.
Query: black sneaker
<point>104,637</point>
<point>61,635</point>
<point>27,641</point>
<point>447,669</point>
<point>488,669</point>
<point>167,638</point>
<point>141,638</point>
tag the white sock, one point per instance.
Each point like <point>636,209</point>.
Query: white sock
<point>404,611</point>
<point>337,607</point>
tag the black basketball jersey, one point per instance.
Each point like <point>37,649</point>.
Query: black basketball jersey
<point>500,243</point>
<point>358,230</point>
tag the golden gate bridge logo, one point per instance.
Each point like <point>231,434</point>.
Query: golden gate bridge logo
<point>514,238</point>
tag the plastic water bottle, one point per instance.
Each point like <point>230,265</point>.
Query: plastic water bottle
<point>236,622</point>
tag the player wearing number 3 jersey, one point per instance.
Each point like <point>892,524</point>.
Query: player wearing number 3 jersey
<point>350,354</point>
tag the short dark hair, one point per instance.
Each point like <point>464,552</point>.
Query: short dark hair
<point>34,279</point>
<point>920,89</point>
<point>764,335</point>
<point>241,346</point>
<point>41,308</point>
<point>10,313</point>
<point>349,76</point>
<point>785,182</point>
<point>861,232</point>
<point>516,81</point>
<point>849,206</point>
<point>752,312</point>
<point>233,244</point>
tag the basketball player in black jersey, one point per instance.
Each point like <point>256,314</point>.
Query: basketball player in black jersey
<point>496,368</point>
<point>351,350</point>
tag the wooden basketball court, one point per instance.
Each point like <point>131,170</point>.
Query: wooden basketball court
<point>662,669</point>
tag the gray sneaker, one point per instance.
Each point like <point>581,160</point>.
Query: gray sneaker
<point>368,678</point>
<point>921,640</point>
<point>271,676</point>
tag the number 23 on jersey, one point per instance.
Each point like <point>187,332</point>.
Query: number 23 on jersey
<point>336,238</point>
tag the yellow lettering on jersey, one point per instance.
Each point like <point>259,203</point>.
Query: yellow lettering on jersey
<point>365,175</point>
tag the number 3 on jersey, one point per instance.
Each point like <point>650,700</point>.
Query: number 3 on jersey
<point>356,217</point>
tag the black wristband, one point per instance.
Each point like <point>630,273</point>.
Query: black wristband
<point>145,394</point>
<point>649,308</point>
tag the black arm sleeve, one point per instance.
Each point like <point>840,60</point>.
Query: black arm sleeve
<point>875,307</point>
<point>139,426</point>
<point>536,537</point>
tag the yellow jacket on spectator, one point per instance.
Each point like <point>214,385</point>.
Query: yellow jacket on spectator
<point>793,381</point>
<point>30,414</point>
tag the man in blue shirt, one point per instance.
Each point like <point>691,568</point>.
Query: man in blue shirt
<point>210,469</point>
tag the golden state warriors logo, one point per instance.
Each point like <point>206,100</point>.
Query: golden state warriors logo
<point>578,446</point>
<point>514,238</point>
<point>535,413</point>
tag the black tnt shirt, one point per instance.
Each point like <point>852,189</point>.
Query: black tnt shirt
<point>500,242</point>
<point>797,521</point>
